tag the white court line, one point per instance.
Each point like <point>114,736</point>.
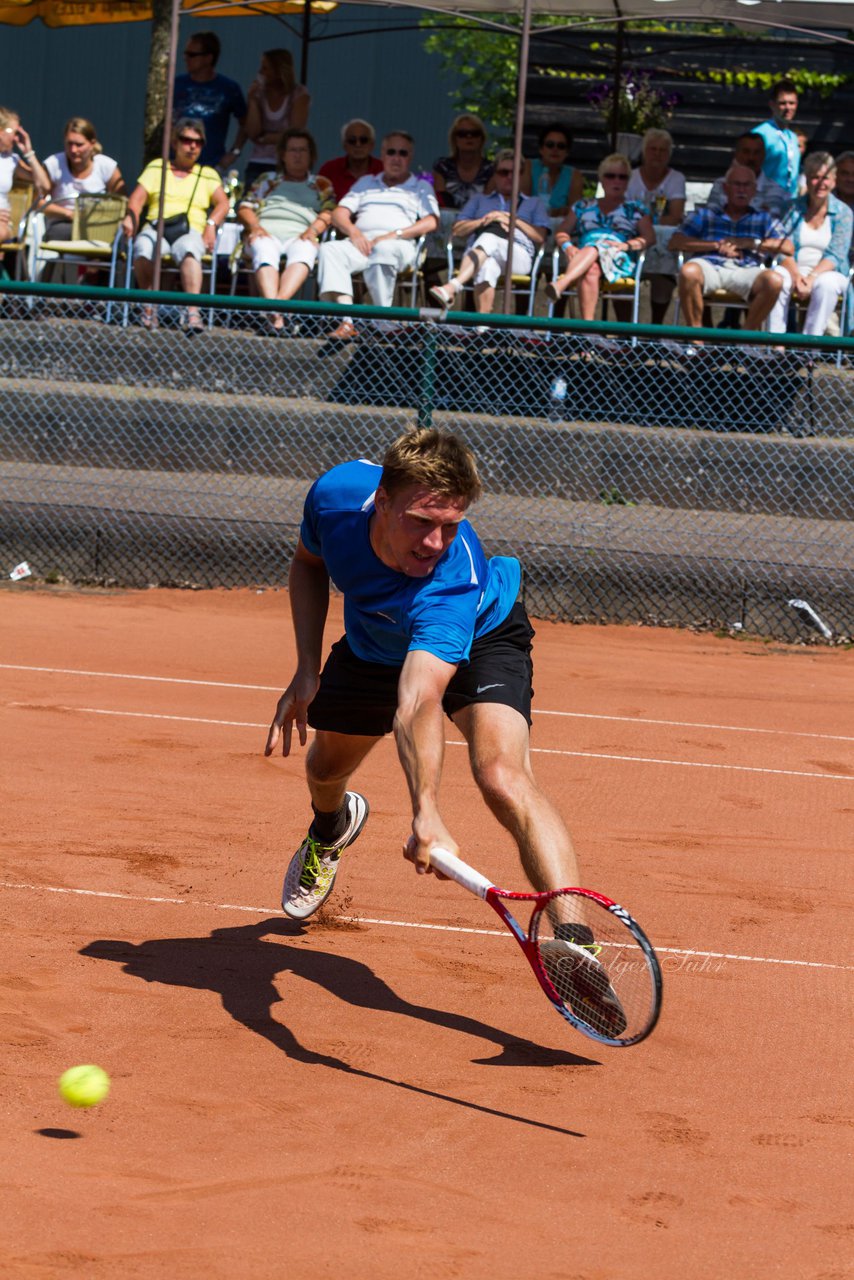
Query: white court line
<point>573,715</point>
<point>454,742</point>
<point>396,924</point>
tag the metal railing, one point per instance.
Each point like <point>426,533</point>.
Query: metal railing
<point>636,476</point>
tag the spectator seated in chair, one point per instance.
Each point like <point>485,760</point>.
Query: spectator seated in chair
<point>819,226</point>
<point>80,167</point>
<point>727,247</point>
<point>358,161</point>
<point>465,172</point>
<point>18,164</point>
<point>610,229</point>
<point>485,220</point>
<point>557,183</point>
<point>380,219</point>
<point>662,190</point>
<point>283,215</point>
<point>195,205</point>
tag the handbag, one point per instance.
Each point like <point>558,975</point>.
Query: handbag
<point>175,227</point>
<point>179,223</point>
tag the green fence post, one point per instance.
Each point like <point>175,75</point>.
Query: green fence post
<point>428,378</point>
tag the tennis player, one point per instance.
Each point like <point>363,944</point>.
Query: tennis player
<point>431,626</point>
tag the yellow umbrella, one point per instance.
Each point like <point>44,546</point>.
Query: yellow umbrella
<point>61,13</point>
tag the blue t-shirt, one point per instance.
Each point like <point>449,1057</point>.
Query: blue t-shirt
<point>214,102</point>
<point>387,613</point>
<point>782,162</point>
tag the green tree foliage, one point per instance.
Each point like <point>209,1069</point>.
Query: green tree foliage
<point>485,63</point>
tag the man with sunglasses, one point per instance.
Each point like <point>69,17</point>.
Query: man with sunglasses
<point>203,94</point>
<point>379,221</point>
<point>358,161</point>
<point>726,248</point>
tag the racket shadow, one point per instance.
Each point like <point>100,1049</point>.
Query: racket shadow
<point>241,964</point>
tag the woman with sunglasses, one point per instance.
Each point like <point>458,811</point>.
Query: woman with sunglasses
<point>465,172</point>
<point>358,161</point>
<point>609,229</point>
<point>275,103</point>
<point>81,167</point>
<point>557,183</point>
<point>283,216</point>
<point>194,192</point>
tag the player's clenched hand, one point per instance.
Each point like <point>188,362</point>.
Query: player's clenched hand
<point>292,709</point>
<point>419,854</point>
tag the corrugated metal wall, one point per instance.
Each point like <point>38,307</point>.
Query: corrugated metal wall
<point>99,72</point>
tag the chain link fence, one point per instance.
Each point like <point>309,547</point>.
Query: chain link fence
<point>636,476</point>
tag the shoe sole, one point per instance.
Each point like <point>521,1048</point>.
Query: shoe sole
<point>582,984</point>
<point>297,912</point>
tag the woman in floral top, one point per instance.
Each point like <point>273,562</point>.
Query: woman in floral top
<point>284,214</point>
<point>610,229</point>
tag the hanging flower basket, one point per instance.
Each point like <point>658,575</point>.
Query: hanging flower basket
<point>637,106</point>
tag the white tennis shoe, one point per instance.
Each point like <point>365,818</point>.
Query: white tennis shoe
<point>312,870</point>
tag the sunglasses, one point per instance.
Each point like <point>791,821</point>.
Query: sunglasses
<point>468,133</point>
<point>556,146</point>
<point>504,173</point>
<point>396,151</point>
<point>616,177</point>
<point>357,142</point>
<point>193,53</point>
<point>189,142</point>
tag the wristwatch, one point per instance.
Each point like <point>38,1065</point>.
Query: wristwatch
<point>210,222</point>
<point>398,235</point>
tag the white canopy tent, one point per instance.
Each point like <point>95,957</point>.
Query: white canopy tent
<point>830,18</point>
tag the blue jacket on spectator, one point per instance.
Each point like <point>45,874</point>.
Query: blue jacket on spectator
<point>841,227</point>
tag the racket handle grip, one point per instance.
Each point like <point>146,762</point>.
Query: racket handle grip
<point>448,863</point>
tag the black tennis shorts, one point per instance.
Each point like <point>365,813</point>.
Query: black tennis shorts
<point>360,697</point>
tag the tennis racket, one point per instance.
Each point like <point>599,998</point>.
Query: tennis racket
<point>593,961</point>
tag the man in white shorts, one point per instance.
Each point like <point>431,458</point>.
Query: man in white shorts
<point>726,248</point>
<point>380,219</point>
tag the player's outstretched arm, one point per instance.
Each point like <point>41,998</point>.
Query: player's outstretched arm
<point>308,587</point>
<point>419,731</point>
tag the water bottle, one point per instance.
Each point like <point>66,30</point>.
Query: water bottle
<point>544,190</point>
<point>557,398</point>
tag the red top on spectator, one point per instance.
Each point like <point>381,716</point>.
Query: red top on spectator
<point>340,176</point>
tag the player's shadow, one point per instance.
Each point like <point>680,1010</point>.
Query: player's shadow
<point>241,964</point>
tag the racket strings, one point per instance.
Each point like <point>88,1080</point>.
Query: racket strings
<point>597,967</point>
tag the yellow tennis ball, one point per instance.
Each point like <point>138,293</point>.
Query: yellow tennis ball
<point>84,1086</point>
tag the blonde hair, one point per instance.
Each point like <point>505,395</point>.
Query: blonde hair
<point>507,153</point>
<point>79,124</point>
<point>614,158</point>
<point>455,124</point>
<point>657,135</point>
<point>282,62</point>
<point>7,116</point>
<point>435,459</point>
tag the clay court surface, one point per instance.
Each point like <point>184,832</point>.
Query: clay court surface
<point>371,1097</point>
